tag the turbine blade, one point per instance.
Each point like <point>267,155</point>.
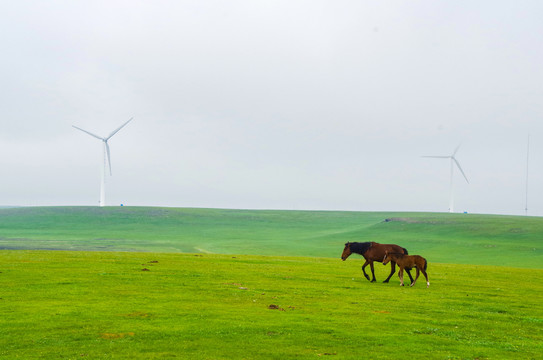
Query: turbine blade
<point>91,134</point>
<point>437,157</point>
<point>108,157</point>
<point>455,150</point>
<point>117,130</point>
<point>460,168</point>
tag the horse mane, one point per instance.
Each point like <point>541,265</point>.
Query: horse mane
<point>360,248</point>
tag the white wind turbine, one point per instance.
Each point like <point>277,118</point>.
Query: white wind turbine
<point>453,162</point>
<point>107,158</point>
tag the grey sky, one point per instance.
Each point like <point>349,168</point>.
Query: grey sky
<point>273,104</point>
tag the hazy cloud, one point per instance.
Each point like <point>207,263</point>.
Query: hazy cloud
<point>304,104</point>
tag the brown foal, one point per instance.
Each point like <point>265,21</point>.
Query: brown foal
<point>408,262</point>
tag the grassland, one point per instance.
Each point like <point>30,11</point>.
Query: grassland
<point>193,284</point>
<point>95,305</point>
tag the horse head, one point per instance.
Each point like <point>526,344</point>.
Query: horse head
<point>346,251</point>
<point>386,259</point>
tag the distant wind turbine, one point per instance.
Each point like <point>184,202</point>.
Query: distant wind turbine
<point>107,158</point>
<point>453,162</point>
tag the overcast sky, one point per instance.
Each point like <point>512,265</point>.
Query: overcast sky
<point>273,104</point>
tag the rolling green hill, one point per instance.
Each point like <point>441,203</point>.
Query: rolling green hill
<point>444,238</point>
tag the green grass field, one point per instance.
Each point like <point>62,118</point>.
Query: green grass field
<point>221,299</point>
<point>105,306</point>
<point>445,238</point>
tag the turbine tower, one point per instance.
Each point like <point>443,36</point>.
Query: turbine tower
<point>453,162</point>
<point>107,158</point>
<point>527,174</point>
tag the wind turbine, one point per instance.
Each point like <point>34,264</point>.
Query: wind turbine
<point>107,158</point>
<point>453,162</point>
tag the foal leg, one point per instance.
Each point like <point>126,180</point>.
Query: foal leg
<point>392,271</point>
<point>364,271</point>
<point>426,276</point>
<point>410,277</point>
<point>400,275</point>
<point>416,277</point>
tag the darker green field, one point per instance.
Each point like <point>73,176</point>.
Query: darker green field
<point>445,238</point>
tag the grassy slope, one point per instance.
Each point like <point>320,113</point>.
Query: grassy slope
<point>445,238</point>
<point>102,305</point>
<point>93,305</point>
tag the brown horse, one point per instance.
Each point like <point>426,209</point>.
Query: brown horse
<point>408,262</point>
<point>372,251</point>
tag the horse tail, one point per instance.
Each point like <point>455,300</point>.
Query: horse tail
<point>425,264</point>
<point>405,251</point>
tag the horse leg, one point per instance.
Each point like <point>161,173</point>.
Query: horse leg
<point>426,276</point>
<point>364,271</point>
<point>416,277</point>
<point>372,272</point>
<point>392,271</point>
<point>410,277</point>
<point>400,275</point>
